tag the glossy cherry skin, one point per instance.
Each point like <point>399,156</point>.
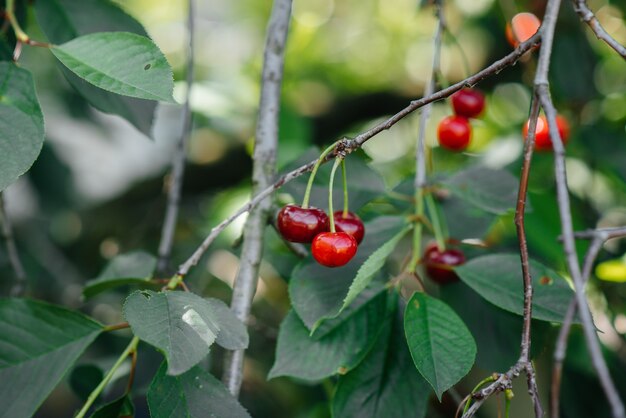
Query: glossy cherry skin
<point>350,224</point>
<point>454,133</point>
<point>297,224</point>
<point>468,103</point>
<point>439,264</point>
<point>333,249</point>
<point>522,27</point>
<point>542,133</point>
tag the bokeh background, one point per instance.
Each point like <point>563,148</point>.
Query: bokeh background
<point>97,189</point>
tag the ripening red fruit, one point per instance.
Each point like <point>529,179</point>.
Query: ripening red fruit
<point>454,133</point>
<point>542,133</point>
<point>468,103</point>
<point>350,224</point>
<point>333,249</point>
<point>439,264</point>
<point>522,27</point>
<point>297,224</point>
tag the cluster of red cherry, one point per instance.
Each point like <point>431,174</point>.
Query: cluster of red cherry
<point>312,225</point>
<point>334,240</point>
<point>455,132</point>
<point>521,28</point>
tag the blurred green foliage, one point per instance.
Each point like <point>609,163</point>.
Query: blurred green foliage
<point>97,189</point>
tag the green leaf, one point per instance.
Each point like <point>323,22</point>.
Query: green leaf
<point>494,191</point>
<point>21,123</point>
<point>119,62</point>
<point>372,265</point>
<point>317,292</point>
<point>64,20</point>
<point>300,355</point>
<point>84,379</point>
<point>183,326</point>
<point>386,383</point>
<point>38,344</point>
<point>119,408</point>
<point>194,394</point>
<point>442,347</point>
<point>124,269</point>
<point>498,279</point>
<point>496,331</point>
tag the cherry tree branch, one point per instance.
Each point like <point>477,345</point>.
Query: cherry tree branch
<point>598,238</point>
<point>19,286</point>
<point>524,364</point>
<point>349,145</point>
<point>585,13</point>
<point>178,164</point>
<point>593,346</point>
<point>543,91</point>
<point>266,144</point>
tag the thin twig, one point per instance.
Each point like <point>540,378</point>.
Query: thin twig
<point>543,91</point>
<point>263,172</point>
<point>116,327</point>
<point>520,212</point>
<point>524,364</point>
<point>349,145</point>
<point>19,287</point>
<point>420,147</point>
<point>585,13</point>
<point>599,237</point>
<point>602,233</point>
<point>178,164</point>
<point>504,382</point>
<point>132,347</point>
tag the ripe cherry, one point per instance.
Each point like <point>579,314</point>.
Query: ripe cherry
<point>468,102</point>
<point>350,224</point>
<point>439,264</point>
<point>298,224</point>
<point>454,133</point>
<point>542,132</point>
<point>333,249</point>
<point>522,27</point>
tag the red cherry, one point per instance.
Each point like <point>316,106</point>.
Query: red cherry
<point>297,224</point>
<point>439,264</point>
<point>542,132</point>
<point>454,133</point>
<point>468,102</point>
<point>522,27</point>
<point>333,249</point>
<point>350,224</point>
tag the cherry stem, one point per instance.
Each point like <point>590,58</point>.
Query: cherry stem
<point>345,188</point>
<point>10,13</point>
<point>309,186</point>
<point>436,222</point>
<point>507,405</point>
<point>417,232</point>
<point>132,346</point>
<point>483,382</point>
<point>174,282</point>
<point>338,161</point>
